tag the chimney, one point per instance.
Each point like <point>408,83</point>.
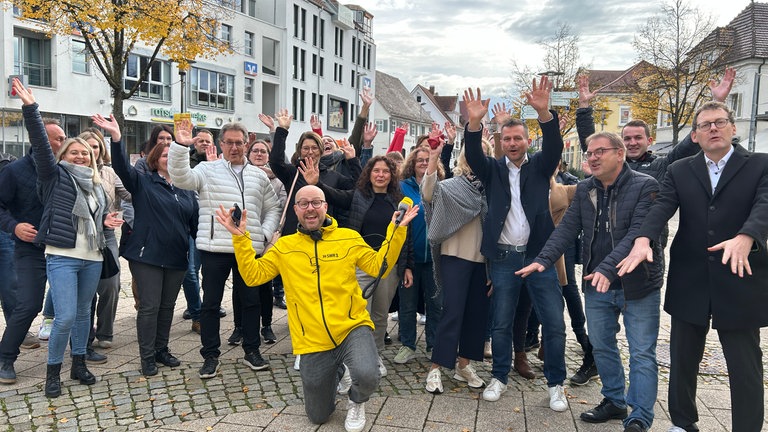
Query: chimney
<point>432,90</point>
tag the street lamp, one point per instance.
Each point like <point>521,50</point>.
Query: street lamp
<point>604,112</point>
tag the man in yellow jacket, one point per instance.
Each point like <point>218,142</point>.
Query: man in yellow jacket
<point>329,324</point>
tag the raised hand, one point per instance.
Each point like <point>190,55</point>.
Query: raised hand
<point>110,126</point>
<point>210,153</point>
<point>450,132</point>
<point>585,96</point>
<point>24,93</point>
<point>538,98</point>
<point>347,149</point>
<point>268,122</point>
<point>720,90</point>
<point>369,133</point>
<point>224,217</point>
<point>310,172</point>
<point>476,108</point>
<point>367,96</point>
<point>404,126</point>
<point>500,113</point>
<point>315,122</point>
<point>284,118</point>
<point>184,137</point>
<point>409,215</point>
<point>564,118</point>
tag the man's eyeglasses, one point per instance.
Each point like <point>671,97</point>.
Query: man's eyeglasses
<point>599,152</point>
<point>707,125</point>
<point>233,143</point>
<point>305,204</point>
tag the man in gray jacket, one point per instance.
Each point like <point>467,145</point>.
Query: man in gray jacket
<point>224,182</point>
<point>610,208</point>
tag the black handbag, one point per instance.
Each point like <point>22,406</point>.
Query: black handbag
<point>109,266</point>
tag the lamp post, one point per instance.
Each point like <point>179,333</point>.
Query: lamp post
<point>183,81</point>
<point>604,112</point>
<point>549,74</point>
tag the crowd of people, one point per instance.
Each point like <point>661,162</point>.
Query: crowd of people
<point>335,234</point>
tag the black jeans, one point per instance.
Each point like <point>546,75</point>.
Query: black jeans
<point>265,298</point>
<point>31,278</point>
<point>216,269</point>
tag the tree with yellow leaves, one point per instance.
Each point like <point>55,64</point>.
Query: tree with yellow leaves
<point>180,30</point>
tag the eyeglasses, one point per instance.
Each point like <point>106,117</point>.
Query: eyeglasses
<point>262,151</point>
<point>418,161</point>
<point>707,125</point>
<point>305,204</point>
<point>233,143</point>
<point>598,153</point>
<point>312,149</point>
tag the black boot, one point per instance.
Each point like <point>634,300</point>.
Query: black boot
<point>53,380</point>
<point>80,371</point>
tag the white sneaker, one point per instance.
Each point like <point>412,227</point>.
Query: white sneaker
<point>345,383</point>
<point>394,316</point>
<point>557,400</point>
<point>495,389</point>
<point>468,375</point>
<point>422,319</point>
<point>297,363</point>
<point>102,343</point>
<point>676,429</point>
<point>487,353</point>
<point>45,329</point>
<point>435,381</point>
<point>382,368</point>
<point>404,355</point>
<point>355,421</point>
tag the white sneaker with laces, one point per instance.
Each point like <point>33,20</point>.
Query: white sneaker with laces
<point>557,400</point>
<point>468,375</point>
<point>345,383</point>
<point>435,381</point>
<point>382,368</point>
<point>355,421</point>
<point>404,355</point>
<point>45,329</point>
<point>297,363</point>
<point>495,389</point>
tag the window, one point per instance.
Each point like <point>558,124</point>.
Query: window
<point>248,42</point>
<point>322,34</point>
<point>248,89</point>
<point>337,108</point>
<point>320,104</point>
<point>303,24</point>
<point>734,103</point>
<point>299,63</point>
<point>211,89</point>
<point>226,34</point>
<point>624,114</point>
<point>81,60</point>
<point>156,86</point>
<point>314,102</point>
<point>339,42</point>
<point>352,112</point>
<point>354,57</point>
<point>314,64</point>
<point>269,57</point>
<point>296,20</point>
<point>315,30</point>
<point>303,63</point>
<point>381,125</point>
<point>298,104</point>
<point>337,73</point>
<point>32,58</point>
<point>352,78</point>
<point>295,62</point>
<point>322,67</point>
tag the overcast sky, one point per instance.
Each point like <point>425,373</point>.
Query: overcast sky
<point>452,44</point>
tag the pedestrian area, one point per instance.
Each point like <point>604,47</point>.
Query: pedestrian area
<point>239,399</point>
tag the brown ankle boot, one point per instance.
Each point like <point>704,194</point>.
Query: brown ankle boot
<point>522,367</point>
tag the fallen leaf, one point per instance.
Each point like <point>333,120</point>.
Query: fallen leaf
<point>64,420</point>
<point>245,389</point>
<point>516,409</point>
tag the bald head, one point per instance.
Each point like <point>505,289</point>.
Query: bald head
<point>312,199</point>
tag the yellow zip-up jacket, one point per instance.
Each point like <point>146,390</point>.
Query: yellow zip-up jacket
<point>324,299</point>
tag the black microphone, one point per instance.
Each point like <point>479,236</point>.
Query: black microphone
<point>403,207</point>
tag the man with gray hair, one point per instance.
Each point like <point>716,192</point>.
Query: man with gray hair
<point>224,182</point>
<point>609,208</point>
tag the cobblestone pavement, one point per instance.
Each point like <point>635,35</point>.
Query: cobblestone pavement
<point>239,399</point>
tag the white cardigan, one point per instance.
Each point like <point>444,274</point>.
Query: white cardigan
<point>218,184</point>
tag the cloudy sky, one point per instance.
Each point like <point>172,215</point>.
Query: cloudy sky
<point>452,44</point>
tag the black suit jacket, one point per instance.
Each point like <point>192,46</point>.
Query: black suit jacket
<point>698,284</point>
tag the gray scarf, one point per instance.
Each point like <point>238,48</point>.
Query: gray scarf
<point>455,202</point>
<point>87,219</point>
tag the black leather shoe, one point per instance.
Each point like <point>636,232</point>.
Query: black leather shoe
<point>186,315</point>
<point>222,313</point>
<point>585,373</point>
<point>53,380</point>
<point>166,358</point>
<point>80,372</point>
<point>635,426</point>
<point>148,367</point>
<point>604,412</point>
<point>280,303</point>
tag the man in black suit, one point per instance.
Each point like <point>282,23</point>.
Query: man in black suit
<point>718,266</point>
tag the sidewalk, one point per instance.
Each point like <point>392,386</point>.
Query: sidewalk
<point>239,399</point>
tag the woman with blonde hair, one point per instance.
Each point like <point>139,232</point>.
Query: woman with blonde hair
<point>72,230</point>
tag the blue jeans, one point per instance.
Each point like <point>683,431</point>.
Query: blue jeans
<point>73,284</point>
<point>641,324</point>
<point>7,275</point>
<point>547,298</point>
<point>424,280</point>
<point>191,282</point>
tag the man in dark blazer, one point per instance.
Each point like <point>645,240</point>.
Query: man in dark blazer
<point>516,227</point>
<point>718,266</point>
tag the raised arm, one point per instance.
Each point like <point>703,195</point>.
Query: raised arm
<point>476,158</point>
<point>41,148</point>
